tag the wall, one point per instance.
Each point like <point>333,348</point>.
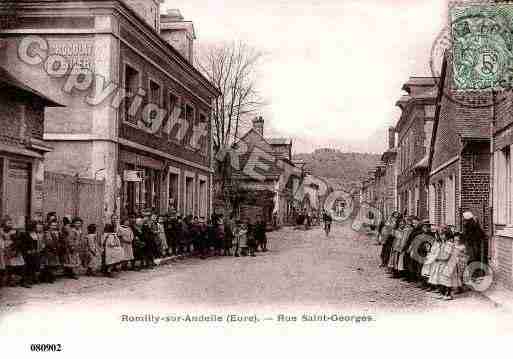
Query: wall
<point>475,186</point>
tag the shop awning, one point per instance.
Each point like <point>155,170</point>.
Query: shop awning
<point>8,81</point>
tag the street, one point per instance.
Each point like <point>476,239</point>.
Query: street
<point>304,270</point>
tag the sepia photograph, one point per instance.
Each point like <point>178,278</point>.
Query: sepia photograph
<point>243,178</point>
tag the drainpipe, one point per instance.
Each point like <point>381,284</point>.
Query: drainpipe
<point>492,176</point>
<point>96,190</point>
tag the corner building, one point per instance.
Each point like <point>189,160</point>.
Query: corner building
<point>120,42</point>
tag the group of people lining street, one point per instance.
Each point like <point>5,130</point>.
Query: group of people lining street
<point>436,259</point>
<point>43,250</point>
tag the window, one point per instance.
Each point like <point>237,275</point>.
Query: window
<point>131,86</point>
<point>141,195</point>
<point>189,120</point>
<point>173,191</point>
<point>450,201</point>
<point>189,195</point>
<point>432,203</point>
<point>203,197</point>
<point>481,162</point>
<point>204,141</point>
<point>502,189</point>
<point>154,98</point>
<point>172,103</point>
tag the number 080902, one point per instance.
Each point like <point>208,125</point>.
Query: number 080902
<point>46,347</point>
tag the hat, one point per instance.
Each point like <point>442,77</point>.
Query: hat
<point>468,215</point>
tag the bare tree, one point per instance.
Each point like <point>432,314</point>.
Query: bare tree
<point>232,67</point>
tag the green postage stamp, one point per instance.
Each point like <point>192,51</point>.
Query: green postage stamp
<point>482,39</point>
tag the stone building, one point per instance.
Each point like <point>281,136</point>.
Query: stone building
<point>137,112</point>
<point>22,149</point>
<point>414,134</point>
<point>459,170</point>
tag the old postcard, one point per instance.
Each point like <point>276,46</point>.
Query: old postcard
<point>233,177</point>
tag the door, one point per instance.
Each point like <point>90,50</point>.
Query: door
<point>17,191</point>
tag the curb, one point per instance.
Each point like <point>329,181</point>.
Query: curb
<point>166,260</point>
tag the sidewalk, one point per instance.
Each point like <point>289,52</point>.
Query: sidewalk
<point>500,296</point>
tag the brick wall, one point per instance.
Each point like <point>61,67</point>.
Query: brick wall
<point>475,186</point>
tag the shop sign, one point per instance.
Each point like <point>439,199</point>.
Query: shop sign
<point>133,176</point>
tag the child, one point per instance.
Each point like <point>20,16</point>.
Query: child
<point>14,262</point>
<point>426,252</point>
<point>243,239</point>
<point>53,250</point>
<point>441,258</point>
<point>451,272</point>
<point>236,236</point>
<point>251,240</point>
<point>126,236</point>
<point>112,250</point>
<point>161,235</point>
<point>92,255</point>
<point>228,237</point>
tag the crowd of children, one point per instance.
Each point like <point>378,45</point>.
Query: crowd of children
<point>436,259</point>
<point>42,251</point>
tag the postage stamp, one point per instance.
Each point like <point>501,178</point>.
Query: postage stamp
<point>482,41</point>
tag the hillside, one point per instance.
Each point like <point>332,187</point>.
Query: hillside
<point>344,169</point>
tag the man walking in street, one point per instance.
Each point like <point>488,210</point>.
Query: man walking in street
<point>326,217</point>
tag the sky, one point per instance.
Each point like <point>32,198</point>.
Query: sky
<point>333,69</point>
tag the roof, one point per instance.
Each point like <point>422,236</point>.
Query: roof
<point>403,100</point>
<point>470,121</point>
<point>9,81</point>
<point>388,154</point>
<point>419,81</point>
<point>423,163</point>
<point>279,141</point>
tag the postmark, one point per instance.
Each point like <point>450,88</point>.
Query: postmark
<point>478,46</point>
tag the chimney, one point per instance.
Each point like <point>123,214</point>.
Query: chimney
<point>391,137</point>
<point>258,125</point>
<point>178,32</point>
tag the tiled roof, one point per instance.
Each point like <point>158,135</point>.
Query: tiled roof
<point>472,120</point>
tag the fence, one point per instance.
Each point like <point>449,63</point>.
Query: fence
<point>74,196</point>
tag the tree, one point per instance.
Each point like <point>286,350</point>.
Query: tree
<point>232,67</point>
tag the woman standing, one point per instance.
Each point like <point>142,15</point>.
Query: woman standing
<point>32,242</point>
<point>126,236</point>
<point>161,235</point>
<point>139,246</point>
<point>92,253</point>
<point>72,238</point>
